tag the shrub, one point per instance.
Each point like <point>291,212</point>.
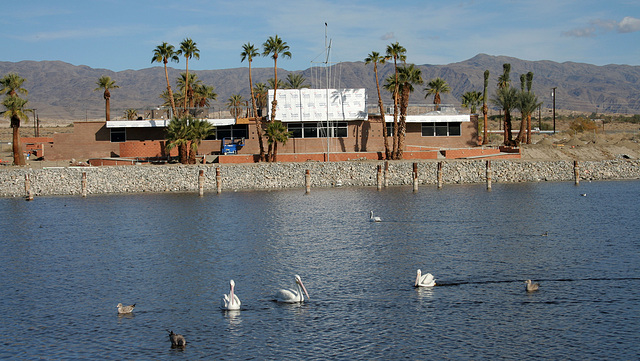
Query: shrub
<point>581,124</point>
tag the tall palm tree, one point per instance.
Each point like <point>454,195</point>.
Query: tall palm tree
<point>199,129</point>
<point>504,80</point>
<point>178,136</point>
<point>202,93</point>
<point>15,110</point>
<point>408,75</point>
<point>485,108</point>
<point>296,81</point>
<point>131,114</point>
<point>436,87</point>
<point>396,52</point>
<point>375,58</point>
<point>249,52</point>
<point>234,104</point>
<point>471,100</point>
<point>11,84</point>
<point>106,83</point>
<point>275,47</point>
<point>276,133</point>
<point>165,53</point>
<point>527,104</point>
<point>507,99</point>
<point>189,50</point>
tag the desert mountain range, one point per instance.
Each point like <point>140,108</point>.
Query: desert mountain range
<point>64,92</point>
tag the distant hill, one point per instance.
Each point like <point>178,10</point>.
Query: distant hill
<point>65,92</point>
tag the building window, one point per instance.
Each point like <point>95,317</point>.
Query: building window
<point>230,131</point>
<point>118,135</point>
<point>449,129</point>
<point>390,129</point>
<point>318,130</point>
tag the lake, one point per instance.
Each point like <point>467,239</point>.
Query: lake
<point>68,261</point>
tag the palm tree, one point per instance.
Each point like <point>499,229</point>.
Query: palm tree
<point>504,81</point>
<point>198,130</point>
<point>260,93</point>
<point>396,51</point>
<point>485,108</point>
<point>249,52</point>
<point>178,136</point>
<point>271,84</point>
<point>106,83</point>
<point>234,104</point>
<point>189,50</point>
<point>202,93</point>
<point>275,47</point>
<point>376,59</point>
<point>187,83</point>
<point>15,111</point>
<point>471,100</point>
<point>407,76</point>
<point>131,114</point>
<point>165,53</point>
<point>276,133</point>
<point>11,84</point>
<point>507,99</point>
<point>527,104</point>
<point>296,81</point>
<point>436,87</point>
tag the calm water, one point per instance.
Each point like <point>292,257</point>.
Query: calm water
<point>67,261</point>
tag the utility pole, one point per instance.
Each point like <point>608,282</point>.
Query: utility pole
<point>553,96</point>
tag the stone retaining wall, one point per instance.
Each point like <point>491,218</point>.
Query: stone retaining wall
<point>181,178</point>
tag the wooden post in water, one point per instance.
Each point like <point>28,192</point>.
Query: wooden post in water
<point>307,181</point>
<point>379,177</point>
<point>576,172</point>
<point>489,175</point>
<point>201,182</point>
<point>415,177</point>
<point>84,184</point>
<point>27,188</point>
<point>218,181</point>
<point>386,173</point>
<point>439,175</point>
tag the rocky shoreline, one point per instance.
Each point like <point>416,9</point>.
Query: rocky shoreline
<point>270,176</point>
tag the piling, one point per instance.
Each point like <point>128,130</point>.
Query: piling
<point>386,173</point>
<point>379,177</point>
<point>307,181</point>
<point>201,182</point>
<point>84,184</point>
<point>576,172</point>
<point>218,181</point>
<point>415,177</point>
<point>27,188</point>
<point>439,175</point>
<point>489,175</point>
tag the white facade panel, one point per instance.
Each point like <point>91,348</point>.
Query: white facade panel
<point>310,105</point>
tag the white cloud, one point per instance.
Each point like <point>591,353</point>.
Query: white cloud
<point>629,25</point>
<point>388,36</point>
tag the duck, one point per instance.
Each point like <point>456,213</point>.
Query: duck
<point>125,309</point>
<point>177,340</point>
<point>531,287</point>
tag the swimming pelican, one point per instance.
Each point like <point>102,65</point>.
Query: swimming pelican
<point>583,194</point>
<point>374,219</point>
<point>424,281</point>
<point>176,340</point>
<point>125,309</point>
<point>292,296</point>
<point>531,287</point>
<point>231,301</point>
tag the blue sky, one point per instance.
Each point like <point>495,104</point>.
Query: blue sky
<point>121,34</point>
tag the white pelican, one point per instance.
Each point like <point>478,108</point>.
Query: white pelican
<point>374,219</point>
<point>177,340</point>
<point>231,301</point>
<point>125,309</point>
<point>292,296</point>
<point>531,287</point>
<point>583,194</point>
<point>424,281</point>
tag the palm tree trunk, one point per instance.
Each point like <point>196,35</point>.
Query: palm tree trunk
<point>523,128</point>
<point>387,154</point>
<point>107,108</point>
<point>274,103</point>
<point>485,110</point>
<point>173,103</point>
<point>186,88</point>
<point>275,151</point>
<point>529,129</point>
<point>18,155</point>
<point>395,113</point>
<point>402,124</point>
<point>508,141</point>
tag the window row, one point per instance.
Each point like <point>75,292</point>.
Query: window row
<point>318,130</point>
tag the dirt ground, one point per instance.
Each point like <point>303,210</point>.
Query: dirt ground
<point>617,141</point>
